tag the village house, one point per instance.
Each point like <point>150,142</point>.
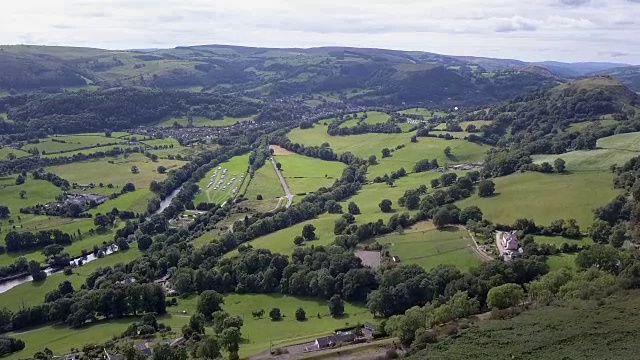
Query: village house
<point>509,245</point>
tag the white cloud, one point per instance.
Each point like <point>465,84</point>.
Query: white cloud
<point>569,30</point>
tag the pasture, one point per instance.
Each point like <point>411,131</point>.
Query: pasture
<point>623,142</point>
<point>5,151</point>
<point>373,117</point>
<point>429,247</point>
<point>305,174</point>
<point>203,121</point>
<point>428,114</point>
<point>115,171</point>
<point>364,145</point>
<point>64,143</point>
<point>220,187</point>
<point>259,333</point>
<point>578,127</point>
<point>546,197</point>
<point>265,182</point>
<point>31,293</point>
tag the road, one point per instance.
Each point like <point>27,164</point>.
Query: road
<point>285,187</point>
<point>477,248</point>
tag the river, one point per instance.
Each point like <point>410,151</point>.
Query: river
<point>10,284</point>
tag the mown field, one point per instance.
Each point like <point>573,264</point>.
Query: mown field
<point>373,117</point>
<point>31,293</point>
<point>203,121</point>
<point>265,182</point>
<point>429,247</point>
<point>424,112</point>
<point>236,167</point>
<point>65,143</point>
<point>305,174</point>
<point>257,334</point>
<point>546,197</point>
<point>577,330</point>
<point>5,151</point>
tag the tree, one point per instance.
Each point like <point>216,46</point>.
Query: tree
<point>129,187</point>
<point>385,206</point>
<point>4,212</point>
<point>144,242</point>
<point>353,209</point>
<point>308,232</point>
<point>275,314</point>
<point>486,188</point>
<point>298,240</point>
<point>231,338</point>
<point>209,348</point>
<point>101,221</point>
<point>603,257</point>
<point>279,166</point>
<point>442,218</point>
<point>22,194</point>
<point>471,213</point>
<point>373,160</point>
<point>134,169</point>
<point>210,301</point>
<point>336,306</point>
<point>386,153</point>
<point>600,231</point>
<point>301,315</point>
<point>435,183</point>
<point>559,165</point>
<point>447,151</point>
<point>196,323</point>
<point>618,235</point>
<point>162,169</point>
<point>11,156</point>
<point>505,296</point>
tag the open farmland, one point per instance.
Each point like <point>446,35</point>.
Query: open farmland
<point>428,114</point>
<point>373,117</point>
<point>305,174</point>
<point>365,145</point>
<point>546,197</point>
<point>5,151</point>
<point>203,121</point>
<point>115,171</point>
<point>64,143</point>
<point>219,183</point>
<point>259,333</point>
<point>265,182</point>
<point>429,247</point>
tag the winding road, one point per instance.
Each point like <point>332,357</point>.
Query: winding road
<point>283,182</point>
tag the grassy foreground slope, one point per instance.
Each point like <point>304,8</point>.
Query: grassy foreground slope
<point>581,330</point>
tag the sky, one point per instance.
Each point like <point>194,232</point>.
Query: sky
<point>530,30</point>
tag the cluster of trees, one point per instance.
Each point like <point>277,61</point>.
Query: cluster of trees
<point>56,180</point>
<point>390,179</point>
<point>114,109</point>
<point>559,165</point>
<point>389,127</point>
<point>24,240</point>
<point>10,345</point>
<point>425,165</point>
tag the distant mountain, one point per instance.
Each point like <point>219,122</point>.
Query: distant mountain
<point>630,76</point>
<point>361,75</point>
<point>579,69</point>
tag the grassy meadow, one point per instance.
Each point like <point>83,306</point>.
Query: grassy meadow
<point>259,333</point>
<point>429,247</point>
<point>5,151</point>
<point>265,182</point>
<point>546,197</point>
<point>305,174</point>
<point>373,117</point>
<point>236,167</point>
<point>428,114</point>
<point>66,143</point>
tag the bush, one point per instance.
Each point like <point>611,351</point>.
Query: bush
<point>301,315</point>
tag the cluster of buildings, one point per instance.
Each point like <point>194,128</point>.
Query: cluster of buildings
<point>508,245</point>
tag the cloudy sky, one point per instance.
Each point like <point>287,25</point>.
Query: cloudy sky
<point>533,30</point>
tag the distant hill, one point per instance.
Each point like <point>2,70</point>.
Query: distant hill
<point>361,75</point>
<point>629,75</point>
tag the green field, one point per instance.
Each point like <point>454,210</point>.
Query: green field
<point>578,127</point>
<point>546,197</point>
<point>31,293</point>
<point>203,121</point>
<point>5,151</point>
<point>424,112</point>
<point>625,142</point>
<point>265,182</point>
<point>428,247</point>
<point>561,261</point>
<point>365,145</point>
<point>260,332</point>
<point>71,142</point>
<point>373,117</point>
<point>305,174</point>
<point>282,241</point>
<point>87,151</point>
<point>559,240</point>
<point>115,171</point>
<point>236,167</point>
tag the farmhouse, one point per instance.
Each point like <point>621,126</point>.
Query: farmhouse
<point>333,340</point>
<point>509,245</point>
